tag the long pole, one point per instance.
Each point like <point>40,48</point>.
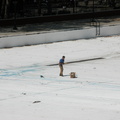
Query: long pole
<point>93,10</point>
<point>15,28</point>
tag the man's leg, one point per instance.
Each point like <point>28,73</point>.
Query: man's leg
<point>61,70</point>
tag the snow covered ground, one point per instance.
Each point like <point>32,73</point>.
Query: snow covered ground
<point>93,95</point>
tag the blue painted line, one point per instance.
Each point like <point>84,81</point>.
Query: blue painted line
<point>105,85</point>
<point>21,72</point>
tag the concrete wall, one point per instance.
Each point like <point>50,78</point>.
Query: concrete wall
<point>33,39</point>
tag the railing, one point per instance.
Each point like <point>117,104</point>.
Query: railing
<point>35,8</point>
<point>96,23</point>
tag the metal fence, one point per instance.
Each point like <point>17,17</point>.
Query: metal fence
<point>32,8</point>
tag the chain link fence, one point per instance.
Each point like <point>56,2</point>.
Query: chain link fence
<point>33,8</point>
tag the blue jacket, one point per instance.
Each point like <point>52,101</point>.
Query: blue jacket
<point>61,61</point>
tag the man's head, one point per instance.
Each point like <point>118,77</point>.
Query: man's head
<point>63,57</point>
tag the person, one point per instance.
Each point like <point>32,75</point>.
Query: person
<point>61,62</point>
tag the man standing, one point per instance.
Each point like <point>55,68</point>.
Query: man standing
<point>61,62</point>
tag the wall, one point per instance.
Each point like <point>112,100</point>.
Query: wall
<point>33,39</point>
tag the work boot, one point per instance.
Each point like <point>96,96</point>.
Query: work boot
<point>60,74</point>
